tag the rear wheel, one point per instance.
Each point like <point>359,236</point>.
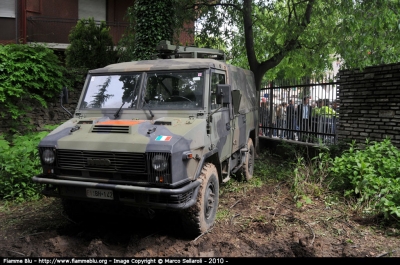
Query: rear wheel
<point>200,217</point>
<point>247,169</point>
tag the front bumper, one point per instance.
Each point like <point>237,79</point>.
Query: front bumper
<point>149,197</point>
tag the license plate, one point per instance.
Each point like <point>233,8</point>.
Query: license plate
<point>100,194</point>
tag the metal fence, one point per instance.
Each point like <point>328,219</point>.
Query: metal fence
<point>305,110</point>
<point>56,30</point>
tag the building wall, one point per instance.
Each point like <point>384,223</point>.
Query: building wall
<point>370,104</point>
<point>186,37</point>
<point>50,21</point>
<point>116,10</point>
<point>52,8</point>
<point>7,32</point>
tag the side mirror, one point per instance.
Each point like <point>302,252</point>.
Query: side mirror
<point>223,94</point>
<point>64,99</point>
<point>64,95</point>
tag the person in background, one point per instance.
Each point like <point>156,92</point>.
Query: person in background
<point>274,118</point>
<point>317,120</point>
<point>334,105</point>
<point>335,117</point>
<point>317,108</point>
<point>296,134</point>
<point>279,118</point>
<point>304,111</point>
<point>264,115</point>
<point>291,120</point>
<point>314,104</point>
<point>326,115</point>
<point>282,115</point>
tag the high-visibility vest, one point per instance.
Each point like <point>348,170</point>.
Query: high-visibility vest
<point>326,111</point>
<point>315,111</point>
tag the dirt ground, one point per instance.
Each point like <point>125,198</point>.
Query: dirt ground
<point>257,222</point>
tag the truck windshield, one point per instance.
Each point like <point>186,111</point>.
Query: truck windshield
<point>112,91</point>
<point>174,90</point>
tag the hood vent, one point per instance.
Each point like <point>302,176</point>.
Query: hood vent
<point>162,123</point>
<point>110,129</point>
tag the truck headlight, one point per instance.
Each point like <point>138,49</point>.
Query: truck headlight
<point>48,156</point>
<point>159,163</point>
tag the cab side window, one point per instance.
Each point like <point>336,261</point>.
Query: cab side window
<point>216,79</point>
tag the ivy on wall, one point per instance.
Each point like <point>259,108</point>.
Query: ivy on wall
<point>150,22</point>
<point>27,74</point>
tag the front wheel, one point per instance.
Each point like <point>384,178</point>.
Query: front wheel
<point>200,217</point>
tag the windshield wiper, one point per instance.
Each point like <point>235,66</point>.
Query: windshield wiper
<point>148,107</point>
<point>116,115</point>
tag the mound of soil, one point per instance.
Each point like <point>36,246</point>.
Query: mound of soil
<point>261,222</point>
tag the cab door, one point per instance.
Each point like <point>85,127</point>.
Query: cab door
<point>221,124</point>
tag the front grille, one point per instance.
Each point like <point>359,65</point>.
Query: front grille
<point>110,129</point>
<point>104,175</point>
<point>101,161</point>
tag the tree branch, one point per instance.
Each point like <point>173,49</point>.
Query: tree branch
<point>249,35</point>
<point>209,3</point>
<point>290,13</point>
<point>290,44</point>
<point>295,13</point>
<point>308,12</point>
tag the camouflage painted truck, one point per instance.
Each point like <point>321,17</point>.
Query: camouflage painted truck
<point>155,135</point>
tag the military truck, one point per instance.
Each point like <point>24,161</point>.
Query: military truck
<point>155,135</point>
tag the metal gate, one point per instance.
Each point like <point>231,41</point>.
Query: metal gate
<point>305,110</point>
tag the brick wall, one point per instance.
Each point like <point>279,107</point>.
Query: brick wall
<point>370,104</point>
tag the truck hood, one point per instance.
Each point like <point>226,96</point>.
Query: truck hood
<point>139,136</point>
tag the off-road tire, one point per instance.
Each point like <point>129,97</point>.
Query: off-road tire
<point>246,172</point>
<point>200,217</point>
<point>75,210</point>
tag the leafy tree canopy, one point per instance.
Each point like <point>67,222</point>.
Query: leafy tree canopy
<point>292,38</point>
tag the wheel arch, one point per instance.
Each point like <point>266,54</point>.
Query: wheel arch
<point>213,158</point>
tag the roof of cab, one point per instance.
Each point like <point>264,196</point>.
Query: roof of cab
<point>161,64</point>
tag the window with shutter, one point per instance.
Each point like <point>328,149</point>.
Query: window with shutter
<point>92,8</point>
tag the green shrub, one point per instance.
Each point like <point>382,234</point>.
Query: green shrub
<point>311,177</point>
<point>19,162</point>
<point>372,174</point>
<point>91,45</point>
<point>28,74</point>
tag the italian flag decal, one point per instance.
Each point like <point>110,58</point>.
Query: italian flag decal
<point>163,138</point>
